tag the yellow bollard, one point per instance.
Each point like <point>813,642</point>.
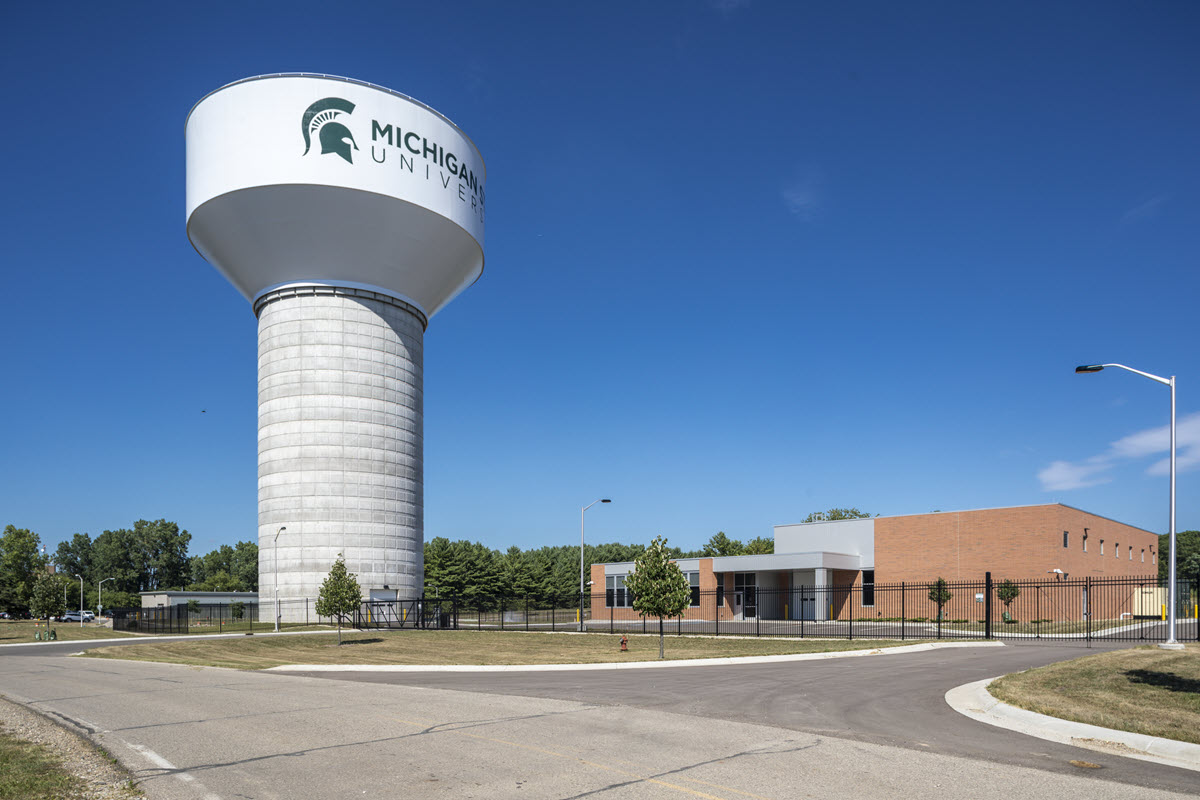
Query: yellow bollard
<point>1164,612</point>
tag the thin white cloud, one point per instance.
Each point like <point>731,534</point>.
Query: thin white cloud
<point>1144,210</point>
<point>1064,475</point>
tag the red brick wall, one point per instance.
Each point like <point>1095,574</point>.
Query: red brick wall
<point>1010,542</point>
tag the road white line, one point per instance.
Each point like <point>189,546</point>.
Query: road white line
<point>160,762</point>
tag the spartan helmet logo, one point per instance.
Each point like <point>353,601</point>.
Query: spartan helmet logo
<point>321,119</point>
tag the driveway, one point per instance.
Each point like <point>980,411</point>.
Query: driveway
<point>876,727</point>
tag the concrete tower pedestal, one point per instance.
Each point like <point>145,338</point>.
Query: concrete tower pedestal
<point>339,442</point>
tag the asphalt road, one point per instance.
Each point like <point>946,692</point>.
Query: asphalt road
<point>875,727</point>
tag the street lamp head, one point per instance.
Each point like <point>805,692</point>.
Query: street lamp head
<point>606,500</point>
<point>1089,368</point>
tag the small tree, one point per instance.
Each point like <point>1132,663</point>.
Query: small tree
<point>659,588</point>
<point>47,597</point>
<point>939,594</point>
<point>237,610</point>
<point>193,607</point>
<point>340,594</point>
<point>1007,592</point>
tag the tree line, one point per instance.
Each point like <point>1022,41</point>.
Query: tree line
<point>150,556</point>
<point>548,574</point>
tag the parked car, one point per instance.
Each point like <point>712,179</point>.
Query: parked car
<point>5,615</point>
<point>78,616</point>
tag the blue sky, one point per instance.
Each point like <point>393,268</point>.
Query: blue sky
<point>745,260</point>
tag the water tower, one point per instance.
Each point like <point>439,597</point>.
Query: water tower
<point>348,215</point>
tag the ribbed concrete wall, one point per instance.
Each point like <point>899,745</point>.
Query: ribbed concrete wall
<point>339,440</point>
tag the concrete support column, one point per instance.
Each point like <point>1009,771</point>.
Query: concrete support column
<point>339,441</point>
<point>824,596</point>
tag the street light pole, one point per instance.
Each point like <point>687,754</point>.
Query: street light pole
<point>581,513</point>
<point>275,572</point>
<point>80,599</point>
<point>100,594</point>
<point>1171,643</point>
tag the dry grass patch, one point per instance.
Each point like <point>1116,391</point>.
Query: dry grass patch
<point>1144,690</point>
<point>461,647</point>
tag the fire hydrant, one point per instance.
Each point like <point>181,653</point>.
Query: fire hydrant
<point>624,645</point>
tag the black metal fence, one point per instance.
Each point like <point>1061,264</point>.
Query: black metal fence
<point>238,617</point>
<point>1072,610</point>
<point>157,620</point>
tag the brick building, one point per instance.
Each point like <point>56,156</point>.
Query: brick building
<point>815,564</point>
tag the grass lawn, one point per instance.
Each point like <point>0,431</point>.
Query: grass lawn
<point>461,647</point>
<point>1144,690</point>
<point>12,631</point>
<point>31,772</point>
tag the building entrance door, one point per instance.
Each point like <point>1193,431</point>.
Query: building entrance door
<point>744,583</point>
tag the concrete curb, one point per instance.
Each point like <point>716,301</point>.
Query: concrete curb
<point>975,701</point>
<point>689,662</point>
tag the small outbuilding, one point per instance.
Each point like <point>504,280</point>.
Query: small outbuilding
<point>178,598</point>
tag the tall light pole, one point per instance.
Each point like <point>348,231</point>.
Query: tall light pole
<point>100,595</point>
<point>1171,643</point>
<point>581,513</point>
<point>80,599</point>
<point>275,572</point>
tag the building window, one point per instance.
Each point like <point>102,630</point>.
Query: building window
<point>868,589</point>
<point>1101,547</point>
<point>615,595</point>
<point>694,582</point>
<point>1143,555</point>
<point>720,576</point>
<point>1117,550</point>
<point>1066,536</point>
<point>1131,552</point>
<point>1085,543</point>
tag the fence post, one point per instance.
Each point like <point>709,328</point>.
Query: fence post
<point>526,612</point>
<point>987,605</point>
<point>611,611</point>
<point>1087,607</point>
<point>1037,606</point>
<point>903,615</point>
<point>581,612</point>
<point>850,609</point>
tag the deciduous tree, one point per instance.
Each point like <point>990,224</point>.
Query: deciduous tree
<point>836,514</point>
<point>940,594</point>
<point>659,588</point>
<point>340,594</point>
<point>20,566</point>
<point>47,597</point>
